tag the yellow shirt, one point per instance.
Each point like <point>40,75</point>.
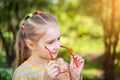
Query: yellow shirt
<point>28,71</point>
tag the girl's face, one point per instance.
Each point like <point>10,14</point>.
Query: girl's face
<point>51,39</point>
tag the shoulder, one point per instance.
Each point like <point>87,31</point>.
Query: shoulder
<point>23,67</point>
<point>27,70</point>
<point>20,72</point>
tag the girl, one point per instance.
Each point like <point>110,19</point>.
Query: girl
<point>39,34</point>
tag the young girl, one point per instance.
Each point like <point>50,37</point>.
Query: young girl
<point>39,35</point>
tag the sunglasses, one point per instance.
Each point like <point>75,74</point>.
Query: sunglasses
<point>72,56</point>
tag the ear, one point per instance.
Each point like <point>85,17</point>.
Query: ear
<point>30,45</point>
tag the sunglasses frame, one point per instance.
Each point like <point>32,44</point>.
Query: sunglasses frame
<point>72,55</point>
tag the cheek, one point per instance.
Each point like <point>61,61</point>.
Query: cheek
<point>41,45</point>
<point>49,47</point>
<point>40,48</point>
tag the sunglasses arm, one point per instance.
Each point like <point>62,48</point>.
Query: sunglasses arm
<point>75,61</point>
<point>51,56</point>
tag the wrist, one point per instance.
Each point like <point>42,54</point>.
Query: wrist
<point>80,77</point>
<point>77,78</point>
<point>46,77</point>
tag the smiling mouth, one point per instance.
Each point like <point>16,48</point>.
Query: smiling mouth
<point>54,53</point>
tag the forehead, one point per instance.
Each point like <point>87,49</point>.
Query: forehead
<point>52,32</point>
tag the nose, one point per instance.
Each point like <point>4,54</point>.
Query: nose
<point>57,46</point>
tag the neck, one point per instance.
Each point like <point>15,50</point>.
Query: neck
<point>38,61</point>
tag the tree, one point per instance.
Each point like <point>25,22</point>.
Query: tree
<point>111,28</point>
<point>107,12</point>
<point>12,12</point>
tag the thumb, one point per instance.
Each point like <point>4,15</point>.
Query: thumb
<point>72,64</point>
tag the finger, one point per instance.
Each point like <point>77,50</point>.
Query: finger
<point>81,60</point>
<point>55,74</point>
<point>53,66</point>
<point>55,71</point>
<point>77,56</point>
<point>71,61</point>
<point>52,70</point>
<point>51,63</point>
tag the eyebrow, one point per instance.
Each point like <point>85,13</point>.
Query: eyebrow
<point>52,39</point>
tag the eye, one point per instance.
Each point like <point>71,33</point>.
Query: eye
<point>58,38</point>
<point>50,42</point>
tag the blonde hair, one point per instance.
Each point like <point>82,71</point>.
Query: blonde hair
<point>34,30</point>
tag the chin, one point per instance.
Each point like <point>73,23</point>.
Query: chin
<point>55,56</point>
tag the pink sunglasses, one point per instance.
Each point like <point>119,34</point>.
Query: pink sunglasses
<point>72,55</point>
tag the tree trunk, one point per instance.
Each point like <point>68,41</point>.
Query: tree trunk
<point>110,41</point>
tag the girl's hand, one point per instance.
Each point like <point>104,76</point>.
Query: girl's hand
<point>77,70</point>
<point>51,70</point>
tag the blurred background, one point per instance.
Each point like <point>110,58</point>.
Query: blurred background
<point>91,28</point>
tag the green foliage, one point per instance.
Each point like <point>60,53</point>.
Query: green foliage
<point>2,61</point>
<point>80,32</point>
<point>6,74</point>
<point>65,54</point>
